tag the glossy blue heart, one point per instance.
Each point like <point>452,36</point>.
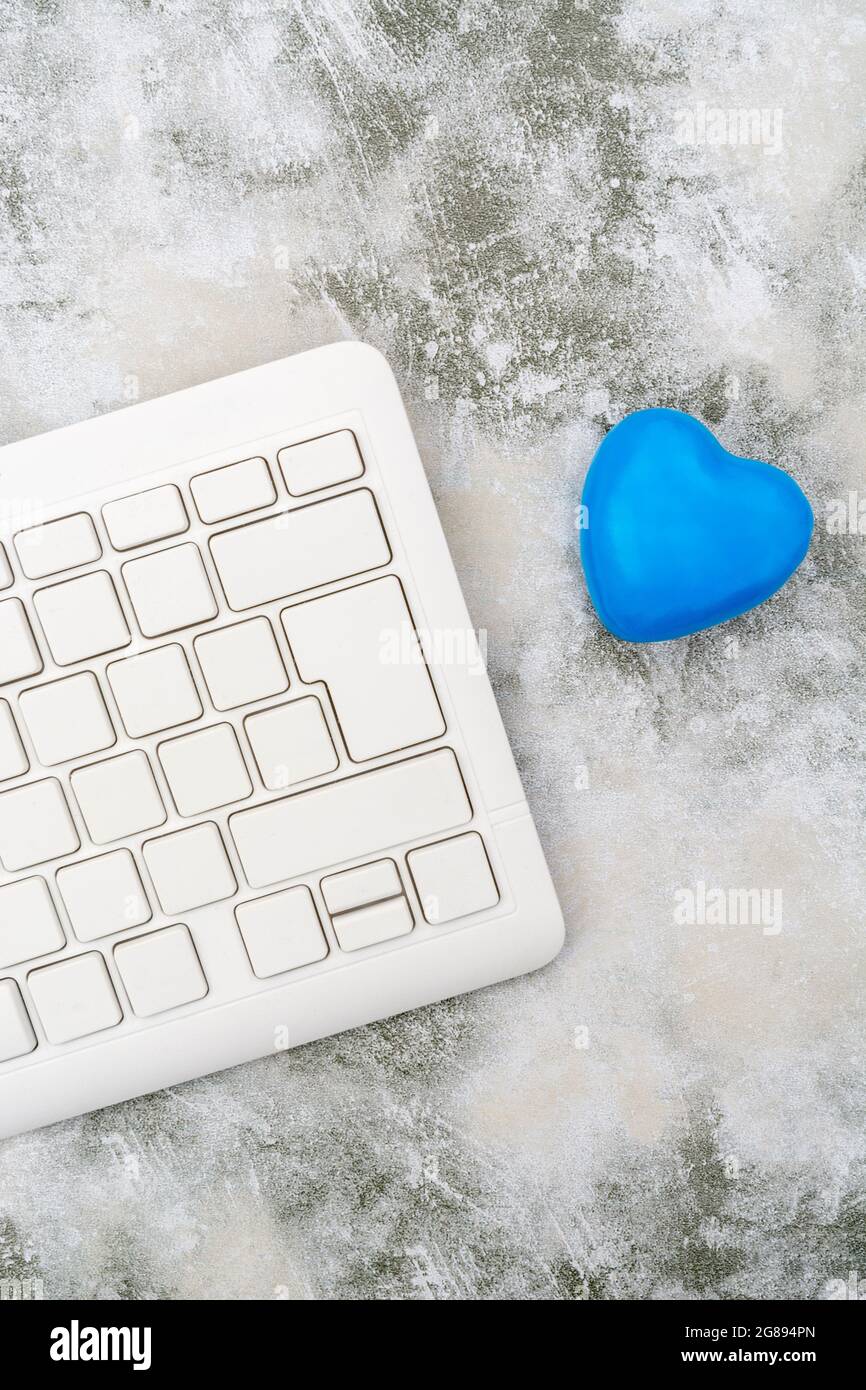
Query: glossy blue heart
<point>677,534</point>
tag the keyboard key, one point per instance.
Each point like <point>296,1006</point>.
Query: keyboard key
<point>233,490</point>
<point>205,770</point>
<point>453,878</point>
<point>67,718</point>
<point>19,654</point>
<point>300,550</point>
<point>6,575</point>
<point>169,590</point>
<point>350,818</point>
<point>189,868</point>
<point>29,926</point>
<point>13,759</point>
<point>17,1037</point>
<point>58,545</point>
<point>35,825</point>
<point>358,887</point>
<point>160,971</point>
<point>368,926</point>
<point>291,743</point>
<point>361,642</point>
<point>323,462</point>
<point>103,895</point>
<point>241,663</point>
<point>118,797</point>
<point>154,691</point>
<point>74,998</point>
<point>147,516</point>
<point>82,618</point>
<point>281,932</point>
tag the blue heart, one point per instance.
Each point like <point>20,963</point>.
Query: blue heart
<point>678,534</point>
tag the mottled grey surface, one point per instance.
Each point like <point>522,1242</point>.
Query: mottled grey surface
<point>509,200</point>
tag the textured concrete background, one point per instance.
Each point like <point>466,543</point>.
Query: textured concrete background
<point>504,198</point>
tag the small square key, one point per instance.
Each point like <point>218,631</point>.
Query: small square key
<point>103,895</point>
<point>74,998</point>
<point>281,932</point>
<point>241,663</point>
<point>169,590</point>
<point>160,971</point>
<point>19,654</point>
<point>13,759</point>
<point>17,1037</point>
<point>318,463</point>
<point>154,691</point>
<point>205,769</point>
<point>291,743</point>
<point>29,926</point>
<point>118,797</point>
<point>453,878</point>
<point>144,517</point>
<point>58,545</point>
<point>233,490</point>
<point>81,618</point>
<point>67,718</point>
<point>189,868</point>
<point>35,825</point>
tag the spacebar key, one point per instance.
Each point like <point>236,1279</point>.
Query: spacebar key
<point>357,816</point>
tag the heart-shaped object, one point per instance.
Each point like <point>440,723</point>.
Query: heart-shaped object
<point>677,534</point>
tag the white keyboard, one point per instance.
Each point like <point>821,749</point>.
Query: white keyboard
<point>254,787</point>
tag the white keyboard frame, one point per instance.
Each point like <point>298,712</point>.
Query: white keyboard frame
<point>348,385</point>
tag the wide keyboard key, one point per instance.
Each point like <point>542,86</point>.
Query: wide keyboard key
<point>67,718</point>
<point>35,825</point>
<point>453,878</point>
<point>233,490</point>
<point>300,550</point>
<point>13,759</point>
<point>74,998</point>
<point>281,932</point>
<point>354,817</point>
<point>17,1037</point>
<point>58,545</point>
<point>82,618</point>
<point>6,575</point>
<point>361,642</point>
<point>29,926</point>
<point>160,971</point>
<point>118,797</point>
<point>318,463</point>
<point>19,654</point>
<point>146,516</point>
<point>154,691</point>
<point>189,868</point>
<point>241,663</point>
<point>169,590</point>
<point>103,895</point>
